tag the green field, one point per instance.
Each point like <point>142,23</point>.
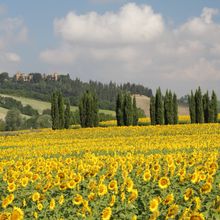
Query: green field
<point>40,105</point>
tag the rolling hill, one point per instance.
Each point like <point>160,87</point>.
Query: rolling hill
<point>39,105</point>
<point>143,102</point>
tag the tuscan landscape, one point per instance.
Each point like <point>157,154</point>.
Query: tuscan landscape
<point>110,110</point>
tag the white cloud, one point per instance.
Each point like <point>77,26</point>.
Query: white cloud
<point>135,44</point>
<point>132,24</point>
<point>13,32</point>
<point>12,57</point>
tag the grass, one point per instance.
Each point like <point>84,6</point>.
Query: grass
<point>3,112</point>
<point>41,105</point>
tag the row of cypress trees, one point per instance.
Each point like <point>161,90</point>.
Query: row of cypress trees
<point>126,110</point>
<point>202,108</point>
<point>164,109</point>
<point>88,110</point>
<point>60,113</point>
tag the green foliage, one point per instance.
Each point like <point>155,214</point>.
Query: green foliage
<point>175,109</point>
<point>72,88</point>
<point>67,115</point>
<point>206,107</point>
<point>55,111</point>
<point>88,110</point>
<point>192,107</point>
<point>202,109</point>
<point>127,110</point>
<point>214,107</point>
<point>135,112</point>
<point>13,120</point>
<point>2,125</point>
<point>61,110</point>
<point>199,106</point>
<point>159,110</point>
<point>119,109</point>
<point>152,111</point>
<point>10,103</point>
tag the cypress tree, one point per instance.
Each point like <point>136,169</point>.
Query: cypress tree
<point>166,108</point>
<point>152,110</point>
<point>206,107</point>
<point>159,115</point>
<point>127,110</point>
<point>95,110</point>
<point>61,110</point>
<point>199,106</point>
<point>88,110</point>
<point>119,109</point>
<point>175,109</point>
<point>54,111</point>
<point>192,107</point>
<point>67,115</point>
<point>214,107</point>
<point>135,112</point>
<point>82,111</point>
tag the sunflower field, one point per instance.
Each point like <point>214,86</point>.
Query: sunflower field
<point>143,172</point>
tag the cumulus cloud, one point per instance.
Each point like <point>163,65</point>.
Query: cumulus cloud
<point>136,44</point>
<point>13,32</point>
<point>131,24</point>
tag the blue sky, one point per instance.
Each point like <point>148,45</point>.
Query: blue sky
<point>46,36</point>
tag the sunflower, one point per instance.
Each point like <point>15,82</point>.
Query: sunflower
<point>197,202</point>
<point>91,196</point>
<point>52,204</point>
<point>206,188</point>
<point>146,176</point>
<point>164,182</point>
<point>106,213</point>
<point>133,196</point>
<point>61,199</point>
<point>188,193</point>
<point>173,211</point>
<point>11,187</point>
<point>17,214</point>
<point>24,181</point>
<point>112,202</point>
<point>71,184</point>
<point>35,196</point>
<point>129,184</point>
<point>197,216</point>
<point>39,206</point>
<point>169,199</point>
<point>5,216</point>
<point>113,185</point>
<point>102,189</point>
<point>154,204</point>
<point>78,199</point>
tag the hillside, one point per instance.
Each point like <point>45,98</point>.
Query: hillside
<point>3,112</point>
<point>40,105</point>
<point>143,102</point>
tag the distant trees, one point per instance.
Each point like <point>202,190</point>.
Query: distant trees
<point>119,109</point>
<point>11,103</point>
<point>88,110</point>
<point>126,110</point>
<point>164,110</point>
<point>202,108</point>
<point>57,111</point>
<point>67,115</point>
<point>13,120</point>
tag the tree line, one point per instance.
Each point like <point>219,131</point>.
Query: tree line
<point>10,103</point>
<point>202,108</point>
<point>70,88</point>
<point>60,112</point>
<point>163,109</point>
<point>126,110</point>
